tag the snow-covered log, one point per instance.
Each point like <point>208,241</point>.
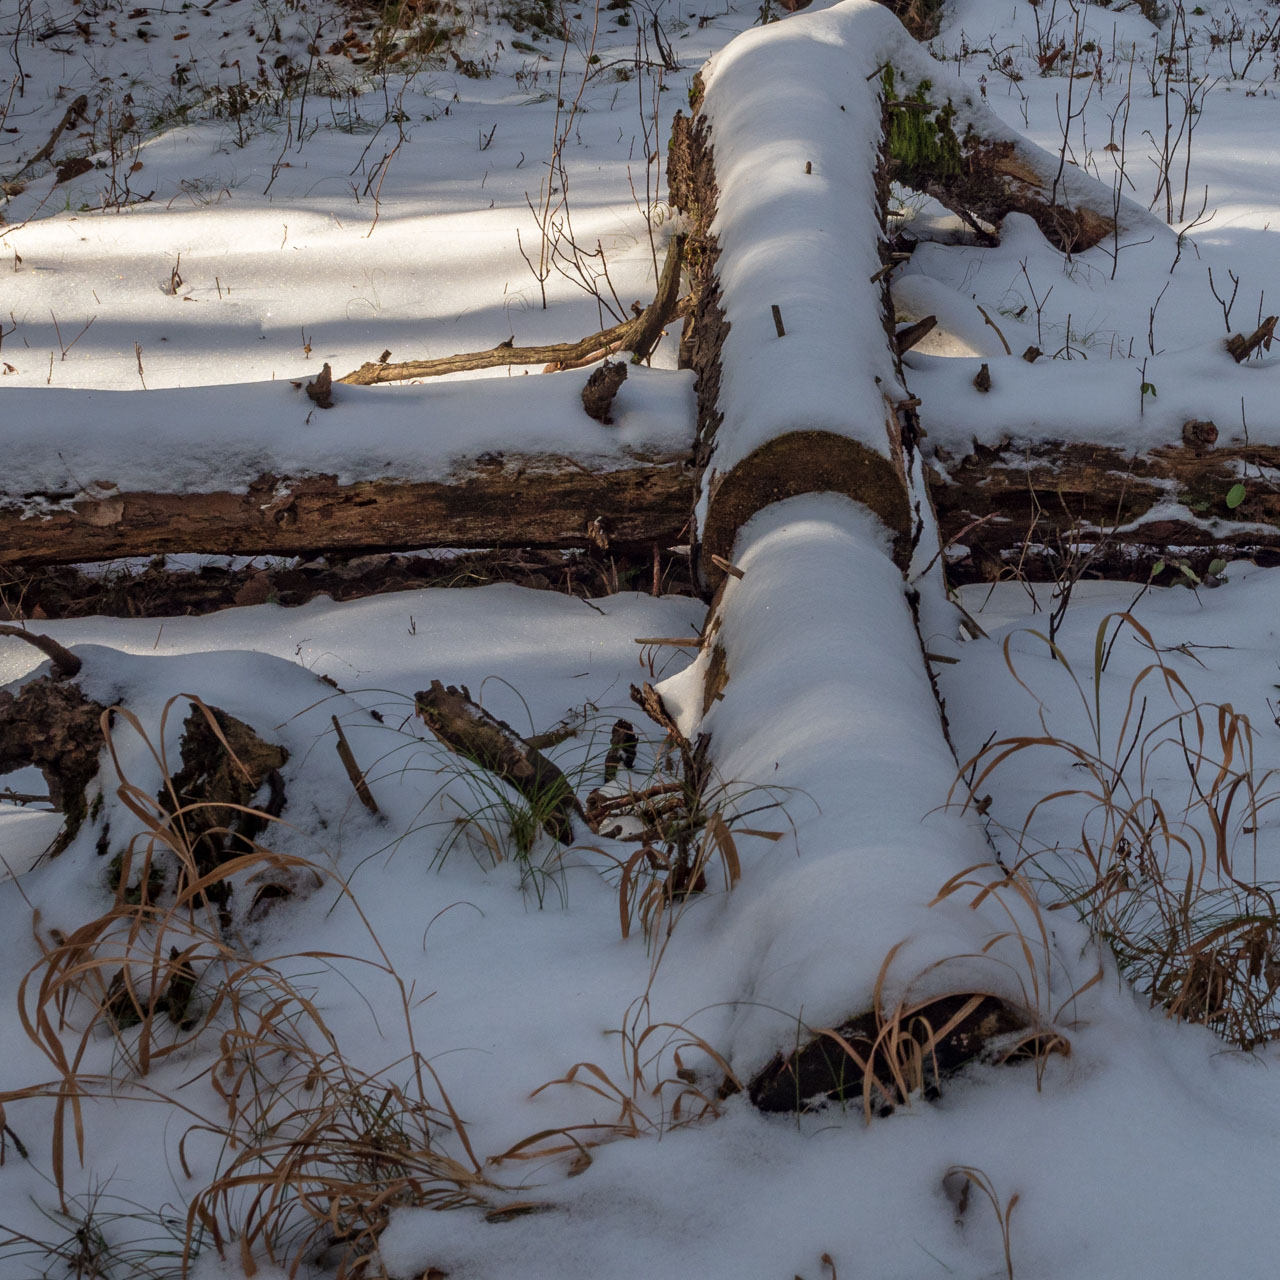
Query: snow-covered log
<point>813,693</point>
<point>783,173</point>
<point>257,469</point>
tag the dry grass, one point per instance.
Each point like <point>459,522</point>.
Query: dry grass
<point>958,1182</point>
<point>1164,868</point>
<point>911,1043</point>
<point>653,1087</point>
<point>316,1150</point>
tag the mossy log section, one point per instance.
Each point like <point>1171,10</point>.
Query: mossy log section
<point>468,729</point>
<point>1043,502</point>
<point>982,178</point>
<point>490,501</point>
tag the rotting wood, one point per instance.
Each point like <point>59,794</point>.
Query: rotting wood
<point>940,1038</point>
<point>468,729</point>
<point>225,765</point>
<point>1038,503</point>
<point>490,501</point>
<point>639,336</point>
<point>51,724</point>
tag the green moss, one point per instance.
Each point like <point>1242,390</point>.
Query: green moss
<point>133,893</point>
<point>921,136</point>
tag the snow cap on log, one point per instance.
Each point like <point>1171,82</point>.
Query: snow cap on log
<point>795,129</point>
<point>844,733</point>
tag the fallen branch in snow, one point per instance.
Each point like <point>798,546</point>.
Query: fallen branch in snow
<point>73,113</point>
<point>468,729</point>
<point>65,663</point>
<point>639,336</point>
<point>1242,348</point>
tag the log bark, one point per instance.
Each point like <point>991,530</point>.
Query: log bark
<point>861,1062</point>
<point>1042,502</point>
<point>493,500</point>
<point>467,728</point>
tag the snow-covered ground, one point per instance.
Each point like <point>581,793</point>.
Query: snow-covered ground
<point>302,207</point>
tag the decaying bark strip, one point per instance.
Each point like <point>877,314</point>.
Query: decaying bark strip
<point>52,725</point>
<point>639,336</point>
<point>490,501</point>
<point>468,729</point>
<point>868,1059</point>
<point>1034,502</point>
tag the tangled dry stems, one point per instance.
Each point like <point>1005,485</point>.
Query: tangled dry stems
<point>316,1151</point>
<point>1164,872</point>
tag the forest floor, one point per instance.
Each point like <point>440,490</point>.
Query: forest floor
<point>256,187</point>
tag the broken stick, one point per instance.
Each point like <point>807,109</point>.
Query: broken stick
<point>639,336</point>
<point>468,729</point>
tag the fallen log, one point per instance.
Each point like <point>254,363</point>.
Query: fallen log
<point>257,469</point>
<point>494,501</point>
<point>1039,504</point>
<point>639,335</point>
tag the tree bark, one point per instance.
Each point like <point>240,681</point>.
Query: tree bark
<point>493,500</point>
<point>1043,502</point>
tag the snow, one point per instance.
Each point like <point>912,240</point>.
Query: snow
<point>201,440</point>
<point>292,235</point>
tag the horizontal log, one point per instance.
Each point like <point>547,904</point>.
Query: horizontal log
<point>492,500</point>
<point>1039,501</point>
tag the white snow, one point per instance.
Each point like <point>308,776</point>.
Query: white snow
<point>1148,1150</point>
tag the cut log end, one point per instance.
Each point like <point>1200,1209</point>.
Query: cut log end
<point>797,463</point>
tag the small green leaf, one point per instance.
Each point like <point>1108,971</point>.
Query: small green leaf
<point>1217,566</point>
<point>1149,389</point>
<point>1235,496</point>
<point>1157,569</point>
